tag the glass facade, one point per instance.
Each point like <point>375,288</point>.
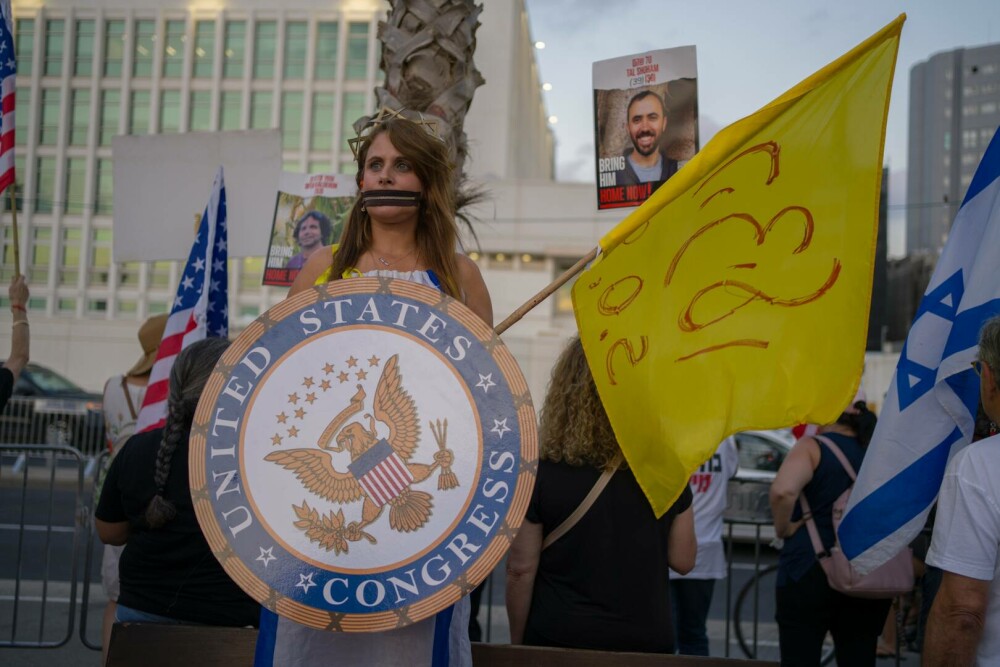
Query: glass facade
<point>83,57</point>
<point>204,49</point>
<point>165,70</point>
<point>234,49</point>
<point>173,48</point>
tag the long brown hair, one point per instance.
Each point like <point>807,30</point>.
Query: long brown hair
<point>574,426</point>
<point>437,234</point>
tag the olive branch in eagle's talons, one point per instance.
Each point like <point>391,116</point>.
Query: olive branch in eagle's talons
<point>444,457</point>
<point>329,531</point>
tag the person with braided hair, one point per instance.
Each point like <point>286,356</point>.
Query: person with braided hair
<point>167,571</point>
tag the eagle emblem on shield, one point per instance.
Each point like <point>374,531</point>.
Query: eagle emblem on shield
<point>380,472</point>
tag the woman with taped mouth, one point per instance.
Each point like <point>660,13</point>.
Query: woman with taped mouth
<point>601,582</point>
<point>402,226</point>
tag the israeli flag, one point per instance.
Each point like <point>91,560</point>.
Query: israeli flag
<point>930,410</point>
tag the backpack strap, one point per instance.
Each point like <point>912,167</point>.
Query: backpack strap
<point>821,551</point>
<point>584,505</point>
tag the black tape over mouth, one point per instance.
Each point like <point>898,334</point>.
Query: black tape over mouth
<point>390,198</point>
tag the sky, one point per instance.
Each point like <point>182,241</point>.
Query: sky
<point>749,52</point>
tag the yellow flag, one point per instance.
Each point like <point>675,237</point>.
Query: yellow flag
<point>737,296</point>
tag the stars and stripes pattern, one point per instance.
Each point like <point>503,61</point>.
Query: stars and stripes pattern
<point>8,68</point>
<point>200,309</point>
<point>929,413</point>
<point>381,473</point>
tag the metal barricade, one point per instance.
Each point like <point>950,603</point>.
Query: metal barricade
<point>42,514</point>
<point>71,422</point>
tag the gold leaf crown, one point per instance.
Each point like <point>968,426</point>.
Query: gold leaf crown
<point>432,125</point>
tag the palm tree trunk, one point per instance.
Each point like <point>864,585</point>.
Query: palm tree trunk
<point>427,56</point>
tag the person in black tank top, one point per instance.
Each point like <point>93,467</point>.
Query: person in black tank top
<point>807,608</point>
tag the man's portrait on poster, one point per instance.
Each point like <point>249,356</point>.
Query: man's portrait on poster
<point>646,128</point>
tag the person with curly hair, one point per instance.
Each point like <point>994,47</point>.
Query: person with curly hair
<point>167,571</point>
<point>604,584</point>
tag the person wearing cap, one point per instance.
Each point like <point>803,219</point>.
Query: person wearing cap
<point>18,359</point>
<point>123,396</point>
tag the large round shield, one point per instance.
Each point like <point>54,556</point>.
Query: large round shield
<point>363,455</point>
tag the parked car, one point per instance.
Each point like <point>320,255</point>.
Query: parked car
<point>47,408</point>
<point>761,453</point>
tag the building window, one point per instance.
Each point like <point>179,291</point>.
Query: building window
<point>41,255</point>
<point>55,39</point>
<point>968,138</point>
<point>265,39</point>
<point>204,49</point>
<point>947,140</point>
<point>83,60</point>
<point>253,273</point>
<point>127,306</point>
<point>321,137</point>
<point>318,167</point>
<point>988,108</point>
<point>291,120</point>
<point>139,115</point>
<point>296,45</point>
<point>97,306</point>
<point>80,121</point>
<point>354,108</point>
<point>48,132</point>
<point>142,48</point>
<point>100,257</point>
<point>170,111</point>
<point>985,135</point>
<point>128,274</point>
<point>357,51</point>
<point>260,110</point>
<point>230,110</point>
<point>114,47</point>
<point>104,201</point>
<point>200,113</point>
<point>234,49</point>
<point>110,115</point>
<point>23,97</point>
<point>159,275</point>
<point>25,48</point>
<point>75,191</point>
<point>327,36</point>
<point>970,109</point>
<point>173,49</point>
<point>69,264</point>
<point>348,168</point>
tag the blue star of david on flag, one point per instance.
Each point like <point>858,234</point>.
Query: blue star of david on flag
<point>929,412</point>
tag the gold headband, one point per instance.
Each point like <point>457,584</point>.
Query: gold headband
<point>431,124</point>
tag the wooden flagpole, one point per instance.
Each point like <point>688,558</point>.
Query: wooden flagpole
<point>545,293</point>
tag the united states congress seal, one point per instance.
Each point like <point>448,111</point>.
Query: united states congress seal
<point>363,455</point>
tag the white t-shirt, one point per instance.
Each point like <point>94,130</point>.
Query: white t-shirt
<point>708,485</point>
<point>118,420</point>
<point>967,530</point>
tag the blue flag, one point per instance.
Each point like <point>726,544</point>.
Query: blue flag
<point>930,410</point>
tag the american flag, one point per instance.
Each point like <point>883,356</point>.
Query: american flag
<point>381,473</point>
<point>200,308</point>
<point>8,68</point>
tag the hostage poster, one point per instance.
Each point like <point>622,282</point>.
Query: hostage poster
<point>309,213</point>
<point>646,122</point>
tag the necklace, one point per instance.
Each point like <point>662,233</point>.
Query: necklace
<point>389,263</point>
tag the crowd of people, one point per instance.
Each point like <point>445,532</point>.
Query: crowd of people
<point>570,583</point>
